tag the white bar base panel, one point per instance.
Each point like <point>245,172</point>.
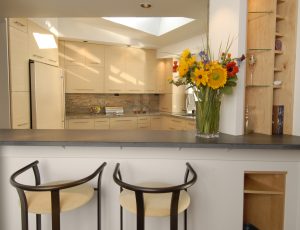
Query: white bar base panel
<point>216,198</point>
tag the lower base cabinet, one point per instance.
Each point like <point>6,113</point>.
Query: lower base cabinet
<point>264,196</point>
<point>123,123</point>
<point>81,124</point>
<point>139,122</point>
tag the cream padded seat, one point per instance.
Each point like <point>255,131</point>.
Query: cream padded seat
<point>156,204</point>
<point>70,198</point>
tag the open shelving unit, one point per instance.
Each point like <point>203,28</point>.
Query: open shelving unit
<point>264,197</point>
<point>268,21</point>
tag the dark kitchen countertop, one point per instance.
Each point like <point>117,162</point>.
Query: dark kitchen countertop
<point>141,138</point>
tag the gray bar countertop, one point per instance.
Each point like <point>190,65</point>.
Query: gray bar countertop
<point>138,138</point>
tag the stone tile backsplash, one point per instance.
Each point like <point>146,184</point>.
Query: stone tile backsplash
<point>80,103</point>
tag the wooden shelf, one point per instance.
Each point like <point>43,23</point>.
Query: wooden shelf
<point>279,35</point>
<point>281,1</point>
<point>258,86</point>
<point>260,12</point>
<point>264,196</point>
<point>278,52</point>
<point>279,18</point>
<point>278,70</point>
<point>263,192</point>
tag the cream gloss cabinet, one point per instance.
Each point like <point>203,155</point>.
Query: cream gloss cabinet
<point>38,49</point>
<point>19,73</point>
<point>84,67</point>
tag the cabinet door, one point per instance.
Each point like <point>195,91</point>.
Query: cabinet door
<point>94,54</point>
<point>123,123</point>
<point>84,79</point>
<point>81,124</point>
<point>160,76</point>
<point>19,60</point>
<point>18,23</point>
<point>135,70</point>
<point>102,123</point>
<point>150,79</point>
<point>42,45</point>
<point>74,53</point>
<point>176,124</point>
<point>20,110</point>
<point>190,125</point>
<point>156,123</point>
<point>115,74</point>
<point>143,122</point>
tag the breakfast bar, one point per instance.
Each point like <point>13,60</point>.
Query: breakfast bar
<point>219,198</point>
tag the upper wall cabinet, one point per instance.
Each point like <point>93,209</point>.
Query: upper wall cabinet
<point>42,45</point>
<point>18,59</point>
<point>78,53</point>
<point>19,24</point>
<point>150,80</point>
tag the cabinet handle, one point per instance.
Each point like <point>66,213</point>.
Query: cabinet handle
<point>19,23</point>
<point>134,90</point>
<point>37,56</point>
<point>22,124</point>
<point>123,120</point>
<point>94,62</point>
<point>101,121</point>
<point>83,89</point>
<point>51,60</point>
<point>80,122</point>
<point>143,119</point>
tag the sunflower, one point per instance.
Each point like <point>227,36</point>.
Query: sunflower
<point>217,77</point>
<point>183,68</point>
<point>191,61</point>
<point>186,54</point>
<point>200,77</point>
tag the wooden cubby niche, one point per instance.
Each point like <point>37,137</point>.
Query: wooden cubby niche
<point>264,198</point>
<point>268,21</point>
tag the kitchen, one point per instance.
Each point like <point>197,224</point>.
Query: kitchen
<point>224,165</point>
<point>103,80</point>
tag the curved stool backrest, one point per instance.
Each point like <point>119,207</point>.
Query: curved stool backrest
<point>55,194</point>
<point>139,191</point>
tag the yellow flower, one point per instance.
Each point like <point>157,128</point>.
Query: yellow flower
<point>217,78</point>
<point>183,68</point>
<point>200,77</point>
<point>191,61</point>
<point>185,54</point>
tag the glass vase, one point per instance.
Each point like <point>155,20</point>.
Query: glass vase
<point>208,116</point>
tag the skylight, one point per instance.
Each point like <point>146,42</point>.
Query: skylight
<point>152,25</point>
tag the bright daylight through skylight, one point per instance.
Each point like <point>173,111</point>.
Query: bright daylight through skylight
<point>155,25</point>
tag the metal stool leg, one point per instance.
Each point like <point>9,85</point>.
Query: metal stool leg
<point>55,210</point>
<point>140,211</point>
<point>185,219</point>
<point>38,222</point>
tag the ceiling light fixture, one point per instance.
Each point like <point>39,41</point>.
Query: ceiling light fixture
<point>145,5</point>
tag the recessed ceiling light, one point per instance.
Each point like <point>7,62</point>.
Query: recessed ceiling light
<point>145,5</point>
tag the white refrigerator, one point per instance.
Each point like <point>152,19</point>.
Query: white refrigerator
<point>47,96</point>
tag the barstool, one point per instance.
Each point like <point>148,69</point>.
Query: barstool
<point>155,199</point>
<point>55,197</point>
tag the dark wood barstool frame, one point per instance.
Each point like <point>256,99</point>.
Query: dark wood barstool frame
<point>139,191</point>
<point>55,191</point>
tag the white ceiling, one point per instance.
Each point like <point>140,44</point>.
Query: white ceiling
<point>98,30</point>
<point>102,8</point>
<point>87,13</point>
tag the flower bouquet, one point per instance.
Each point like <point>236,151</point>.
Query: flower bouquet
<point>209,79</point>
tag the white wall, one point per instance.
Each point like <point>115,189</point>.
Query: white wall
<point>4,82</point>
<point>216,198</point>
<point>195,44</point>
<point>229,18</point>
<point>296,115</point>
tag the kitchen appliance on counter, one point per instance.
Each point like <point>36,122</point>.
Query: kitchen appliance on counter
<point>114,110</point>
<point>47,96</point>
